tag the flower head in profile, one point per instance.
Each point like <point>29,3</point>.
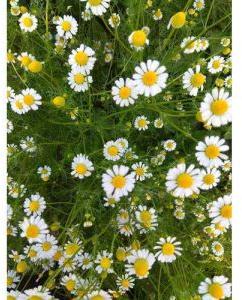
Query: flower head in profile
<point>81,166</point>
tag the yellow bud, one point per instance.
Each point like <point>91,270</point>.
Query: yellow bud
<point>226,51</point>
<point>59,101</point>
<point>23,9</point>
<point>55,226</point>
<point>178,20</point>
<point>35,66</point>
<point>219,82</point>
<point>22,267</point>
<point>121,254</point>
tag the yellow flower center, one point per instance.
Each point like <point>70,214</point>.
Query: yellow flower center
<point>70,285</point>
<point>216,64</point>
<point>190,45</point>
<point>121,254</point>
<point>113,150</point>
<point>66,25</point>
<point>11,298</point>
<point>28,100</point>
<point>111,201</point>
<point>27,22</point>
<point>79,78</point>
<point>178,20</point>
<point>81,169</point>
<point>32,253</point>
<point>141,267</point>
<point>216,290</point>
<point>81,58</point>
<point>34,206</point>
<point>139,38</point>
<point>226,211</point>
<point>86,261</point>
<point>119,181</point>
<point>57,256</point>
<point>25,61</point>
<point>199,4</point>
<point>21,267</point>
<point>149,78</point>
<point>168,249</point>
<point>219,107</point>
<point>10,57</point>
<point>124,92</point>
<point>9,281</point>
<point>59,101</point>
<point>19,104</point>
<point>139,171</point>
<point>218,247</point>
<point>94,3</point>
<point>46,246</point>
<point>105,263</point>
<point>185,180</point>
<point>209,179</point>
<point>72,249</point>
<point>97,297</point>
<point>125,283</point>
<point>32,231</point>
<point>35,66</point>
<point>35,298</point>
<point>197,80</point>
<point>145,217</point>
<point>212,151</point>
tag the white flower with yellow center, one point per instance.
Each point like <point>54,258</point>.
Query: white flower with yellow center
<point>141,123</point>
<point>221,211</point>
<point>182,181</point>
<point>177,21</point>
<point>210,152</point>
<point>31,253</point>
<point>157,14</point>
<point>125,283</point>
<point>81,166</point>
<point>138,39</point>
<point>216,108</point>
<point>227,166</point>
<point>150,78</point>
<point>10,94</point>
<point>114,20</point>
<point>31,98</point>
<point>82,58</point>
<point>44,172</point>
<point>215,289</point>
<point>216,64</point>
<point>98,295</point>
<point>86,15</point>
<point>146,219</point>
<point>9,212</point>
<point>169,145</point>
<point>189,45</point>
<point>112,151</point>
<point>202,44</point>
<point>199,5</point>
<point>158,123</point>
<point>217,249</point>
<point>38,293</point>
<point>9,126</point>
<point>228,82</point>
<point>25,59</point>
<point>68,264</point>
<point>123,216</point>
<point>67,26</point>
<point>141,171</point>
<point>193,81</point>
<point>118,181</point>
<point>79,81</point>
<point>13,295</point>
<point>104,262</point>
<point>18,105</point>
<point>73,249</point>
<point>97,7</point>
<point>35,205</point>
<point>28,144</point>
<point>124,92</point>
<point>28,22</point>
<point>34,229</point>
<point>12,279</point>
<point>168,249</point>
<point>210,178</point>
<point>70,282</point>
<point>111,201</point>
<point>139,263</point>
<point>47,248</point>
<point>85,261</point>
<point>123,143</point>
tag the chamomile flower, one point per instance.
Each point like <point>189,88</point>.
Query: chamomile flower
<point>10,94</point>
<point>25,60</point>
<point>193,81</point>
<point>150,78</point>
<point>31,253</point>
<point>67,26</point>
<point>221,211</point>
<point>33,228</point>
<point>189,45</point>
<point>141,123</point>
<point>123,143</point>
<point>210,152</point>
<point>69,282</point>
<point>85,261</point>
<point>112,151</point>
<point>168,249</point>
<point>86,15</point>
<point>125,283</point>
<point>111,201</point>
<point>202,44</point>
<point>177,21</point>
<point>11,57</point>
<point>210,178</point>
<point>124,92</point>
<point>28,22</point>
<point>217,248</point>
<point>215,288</point>
<point>73,248</point>
<point>44,172</point>
<point>157,14</point>
<point>104,262</point>
<point>182,181</point>
<point>79,81</point>
<point>47,247</point>
<point>141,171</point>
<point>9,212</point>
<point>114,20</point>
<point>199,5</point>
<point>82,58</point>
<point>216,108</point>
<point>227,165</point>
<point>9,126</point>
<point>81,166</point>
<point>97,7</point>
<point>28,144</point>
<point>216,64</point>
<point>13,295</point>
<point>18,105</point>
<point>99,294</point>
<point>146,219</point>
<point>31,99</point>
<point>158,123</point>
<point>16,190</point>
<point>228,82</point>
<point>118,181</point>
<point>35,205</point>
<point>169,145</point>
<point>16,257</point>
<point>139,263</point>
<point>39,293</point>
<point>138,39</point>
<point>12,279</point>
<point>123,216</point>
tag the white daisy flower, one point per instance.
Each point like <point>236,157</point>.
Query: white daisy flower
<point>12,279</point>
<point>31,98</point>
<point>189,45</point>
<point>16,190</point>
<point>158,123</point>
<point>79,81</point>
<point>28,144</point>
<point>210,178</point>
<point>70,282</point>
<point>125,283</point>
<point>82,58</point>
<point>18,105</point>
<point>35,205</point>
<point>104,262</point>
<point>81,166</point>
<point>202,44</point>
<point>221,211</point>
<point>33,228</point>
<point>150,78</point>
<point>214,289</point>
<point>182,181</point>
<point>112,151</point>
<point>13,295</point>
<point>9,126</point>
<point>9,212</point>
<point>111,201</point>
<point>217,248</point>
<point>86,15</point>
<point>138,39</point>
<point>210,152</point>
<point>28,22</point>
<point>25,60</point>
<point>10,94</point>
<point>114,20</point>
<point>44,172</point>
<point>85,261</point>
<point>141,123</point>
<point>228,82</point>
<point>146,219</point>
<point>199,4</point>
<point>216,64</point>
<point>97,7</point>
<point>193,81</point>
<point>39,293</point>
<point>47,247</point>
<point>169,145</point>
<point>123,143</point>
<point>168,249</point>
<point>216,108</point>
<point>99,294</point>
<point>118,181</point>
<point>73,249</point>
<point>124,92</point>
<point>31,253</point>
<point>227,165</point>
<point>139,263</point>
<point>67,26</point>
<point>123,216</point>
<point>157,14</point>
<point>11,230</point>
<point>141,171</point>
